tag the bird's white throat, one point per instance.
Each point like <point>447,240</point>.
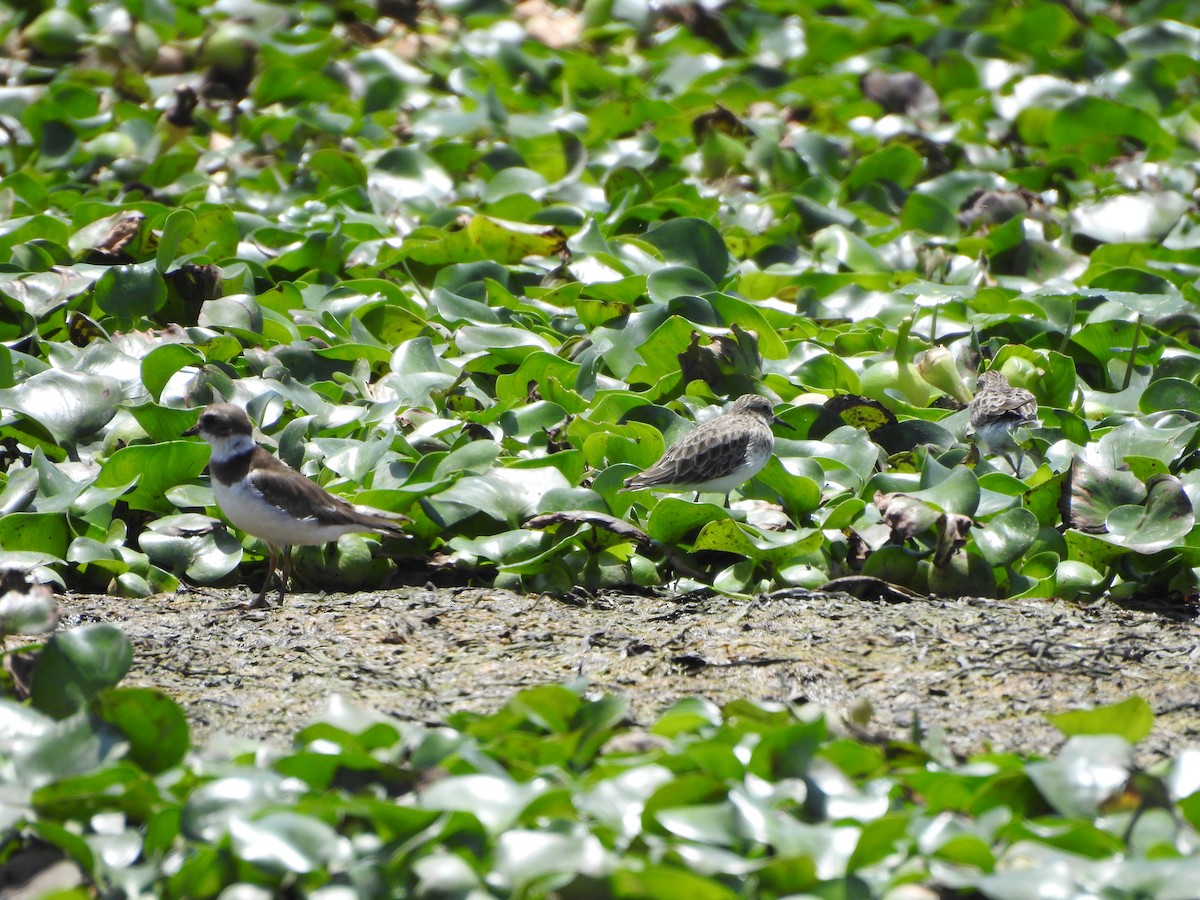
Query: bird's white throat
<point>227,447</point>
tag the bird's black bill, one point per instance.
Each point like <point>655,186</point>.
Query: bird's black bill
<point>778,421</point>
<point>194,430</point>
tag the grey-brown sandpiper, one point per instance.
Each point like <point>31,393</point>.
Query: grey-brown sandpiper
<point>997,410</point>
<point>718,455</point>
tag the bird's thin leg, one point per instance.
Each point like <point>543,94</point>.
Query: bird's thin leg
<point>260,602</point>
<point>286,575</point>
<point>1014,465</point>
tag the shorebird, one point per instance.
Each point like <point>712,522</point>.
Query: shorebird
<point>265,497</point>
<point>718,455</point>
<point>998,409</point>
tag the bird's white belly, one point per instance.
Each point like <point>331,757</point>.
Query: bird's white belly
<point>247,510</point>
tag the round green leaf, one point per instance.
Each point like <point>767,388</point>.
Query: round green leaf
<point>69,405</point>
<point>154,468</point>
<point>130,292</point>
<point>153,723</point>
<point>1165,518</point>
<point>75,664</point>
<point>1005,538</point>
<point>669,282</point>
<point>691,242</point>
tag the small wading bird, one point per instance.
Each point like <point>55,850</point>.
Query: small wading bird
<point>718,455</point>
<point>272,501</point>
<point>998,409</point>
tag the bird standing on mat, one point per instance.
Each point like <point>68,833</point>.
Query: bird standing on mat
<point>718,455</point>
<point>998,409</point>
<point>272,501</point>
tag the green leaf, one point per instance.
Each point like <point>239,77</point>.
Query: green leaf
<point>75,665</point>
<point>693,243</point>
<point>283,842</point>
<point>69,405</point>
<point>669,282</point>
<point>162,363</point>
<point>131,292</point>
<point>1164,520</point>
<point>152,469</point>
<point>1004,539</point>
<point>27,612</point>
<point>41,532</point>
<point>1094,128</point>
<point>179,224</point>
<point>1132,719</point>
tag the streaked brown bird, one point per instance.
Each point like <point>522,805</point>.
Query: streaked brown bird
<point>997,410</point>
<point>718,455</point>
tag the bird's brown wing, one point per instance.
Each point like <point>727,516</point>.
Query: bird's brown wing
<point>1010,408</point>
<point>303,498</point>
<point>702,455</point>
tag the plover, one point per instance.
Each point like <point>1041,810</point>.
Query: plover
<point>272,501</point>
<point>718,455</point>
<point>997,409</point>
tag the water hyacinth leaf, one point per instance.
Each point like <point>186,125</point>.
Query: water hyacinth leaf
<point>1074,579</point>
<point>494,800</point>
<point>1145,217</point>
<point>1164,520</point>
<point>483,238</point>
<point>162,363</point>
<point>131,292</point>
<point>74,665</point>
<point>154,468</point>
<point>954,491</point>
<point>284,842</point>
<point>117,787</point>
<point>895,565</point>
<point>1169,393</point>
<point>894,163</point>
<point>672,519</point>
<point>726,535</point>
<point>1092,549</point>
<point>51,750</point>
<point>1095,492</point>
<point>153,723</point>
<point>35,296</point>
<point>1163,438</point>
<point>508,496</point>
<point>204,552</point>
<point>40,532</point>
<point>1095,128</point>
<point>1131,719</point>
<point>213,805</point>
<point>215,234</point>
<point>69,405</point>
<point>1005,538</point>
<point>669,282</point>
<point>743,317</point>
<point>27,610</point>
<point>963,575</point>
<point>178,225</point>
<point>840,246</point>
<point>1089,770</point>
<point>692,243</point>
<point>523,858</point>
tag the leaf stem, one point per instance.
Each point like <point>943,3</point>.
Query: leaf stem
<point>1137,334</point>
